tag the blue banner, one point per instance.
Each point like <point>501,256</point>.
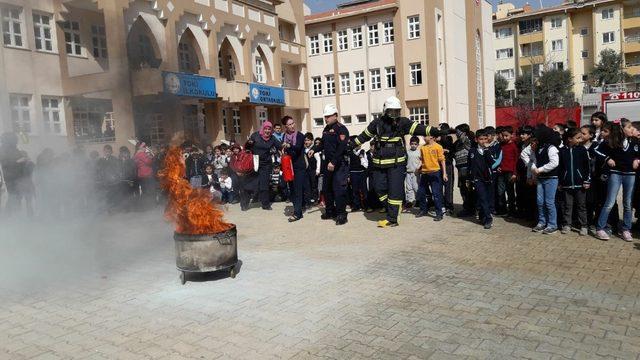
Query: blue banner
<point>190,85</point>
<point>268,95</point>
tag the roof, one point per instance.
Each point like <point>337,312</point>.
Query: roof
<point>350,11</point>
<point>553,9</point>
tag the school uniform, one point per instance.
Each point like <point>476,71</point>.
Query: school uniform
<point>574,175</point>
<point>547,160</point>
<point>480,164</point>
<point>358,165</point>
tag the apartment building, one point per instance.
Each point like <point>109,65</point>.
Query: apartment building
<point>569,36</point>
<point>105,71</point>
<point>428,53</point>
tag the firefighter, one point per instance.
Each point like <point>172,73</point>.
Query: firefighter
<point>390,160</point>
<point>335,166</point>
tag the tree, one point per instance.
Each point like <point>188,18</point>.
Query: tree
<point>502,94</point>
<point>553,89</point>
<point>609,69</point>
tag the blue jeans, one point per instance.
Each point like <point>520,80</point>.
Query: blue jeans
<point>434,181</point>
<point>613,187</point>
<point>546,200</point>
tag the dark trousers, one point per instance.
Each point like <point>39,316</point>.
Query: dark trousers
<point>334,187</point>
<point>296,192</point>
<point>228,196</point>
<point>526,199</point>
<point>485,195</point>
<point>506,194</point>
<point>468,196</point>
<point>389,186</point>
<point>359,189</point>
<point>310,186</point>
<point>575,199</point>
<point>148,192</point>
<point>430,181</point>
<point>448,187</point>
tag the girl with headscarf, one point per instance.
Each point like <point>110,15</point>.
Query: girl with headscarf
<point>265,146</point>
<point>294,147</point>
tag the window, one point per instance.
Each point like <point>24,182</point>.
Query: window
<point>504,53</point>
<point>558,65</point>
<point>93,120</point>
<point>530,26</point>
<point>361,118</point>
<point>373,35</point>
<point>556,23</point>
<point>184,57</point>
<point>414,27</point>
<point>376,81</point>
<point>557,45</point>
<point>236,121</point>
<point>283,77</point>
<point>508,74</point>
<point>584,32</point>
<point>608,37</point>
<point>343,42</point>
<point>504,33</point>
<point>260,71</point>
<point>419,114</point>
<point>99,41</point>
<point>11,25</point>
<point>156,128</point>
<point>584,54</point>
<point>607,14</point>
<point>21,113</point>
<point>359,80</point>
<point>585,77</point>
<point>387,32</point>
<point>390,74</point>
<point>328,43</point>
<point>262,115</point>
<point>42,32</point>
<point>72,37</point>
<point>415,71</point>
<point>318,121</point>
<point>317,86</point>
<point>314,45</point>
<point>346,119</point>
<point>345,83</point>
<point>532,49</point>
<point>356,34</point>
<point>331,84</point>
<point>225,128</point>
<point>51,118</point>
<point>479,82</point>
<point>232,67</point>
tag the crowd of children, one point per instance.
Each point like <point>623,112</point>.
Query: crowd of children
<point>565,178</point>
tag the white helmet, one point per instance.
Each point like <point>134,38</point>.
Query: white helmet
<point>392,103</point>
<point>330,109</point>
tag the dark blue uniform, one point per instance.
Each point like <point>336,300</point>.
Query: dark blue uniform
<point>335,138</point>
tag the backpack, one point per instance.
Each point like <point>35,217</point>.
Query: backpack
<point>242,163</point>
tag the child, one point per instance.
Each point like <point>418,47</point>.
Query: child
<point>481,177</point>
<point>506,176</point>
<point>226,187</point>
<point>219,161</point>
<point>525,200</point>
<point>588,142</point>
<point>600,177</point>
<point>411,181</point>
<point>574,179</point>
<point>447,144</point>
<point>433,173</point>
<point>461,153</point>
<point>545,169</point>
<point>493,145</point>
<point>313,169</point>
<point>278,185</point>
<point>621,156</point>
<point>210,182</point>
<point>358,165</point>
<point>598,120</point>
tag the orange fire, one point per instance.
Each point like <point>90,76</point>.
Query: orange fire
<point>190,209</point>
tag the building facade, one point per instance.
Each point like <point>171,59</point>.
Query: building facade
<point>105,71</point>
<point>428,53</point>
<point>569,36</point>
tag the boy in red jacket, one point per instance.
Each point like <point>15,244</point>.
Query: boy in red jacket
<point>507,174</point>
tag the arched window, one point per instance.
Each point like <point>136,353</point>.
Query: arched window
<point>260,71</point>
<point>479,82</point>
<point>141,48</point>
<point>227,61</point>
<point>187,53</point>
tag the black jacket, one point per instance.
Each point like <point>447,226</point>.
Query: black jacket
<point>206,184</point>
<point>194,166</point>
<point>297,153</point>
<point>335,138</point>
<point>623,157</point>
<point>479,164</point>
<point>574,167</point>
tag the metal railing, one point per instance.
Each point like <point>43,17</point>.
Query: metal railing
<point>632,38</point>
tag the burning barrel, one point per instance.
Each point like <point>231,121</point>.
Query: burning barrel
<point>206,253</point>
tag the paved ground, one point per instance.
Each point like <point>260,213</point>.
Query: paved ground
<point>108,289</point>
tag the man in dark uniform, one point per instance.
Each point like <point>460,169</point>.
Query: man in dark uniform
<point>390,160</point>
<point>335,167</point>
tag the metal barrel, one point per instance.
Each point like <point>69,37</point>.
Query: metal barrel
<point>208,252</point>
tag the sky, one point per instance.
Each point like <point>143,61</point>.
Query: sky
<point>323,5</point>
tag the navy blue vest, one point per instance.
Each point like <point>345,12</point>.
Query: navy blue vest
<point>542,159</point>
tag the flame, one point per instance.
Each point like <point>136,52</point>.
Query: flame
<point>191,210</point>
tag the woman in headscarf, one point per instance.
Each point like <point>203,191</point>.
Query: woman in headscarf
<point>294,147</point>
<point>265,146</point>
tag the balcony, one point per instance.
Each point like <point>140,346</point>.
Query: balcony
<point>292,53</point>
<point>633,69</point>
<point>632,43</point>
<point>146,81</point>
<point>531,37</point>
<point>631,18</point>
<point>296,99</point>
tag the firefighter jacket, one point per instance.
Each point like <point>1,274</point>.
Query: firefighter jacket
<point>389,139</point>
